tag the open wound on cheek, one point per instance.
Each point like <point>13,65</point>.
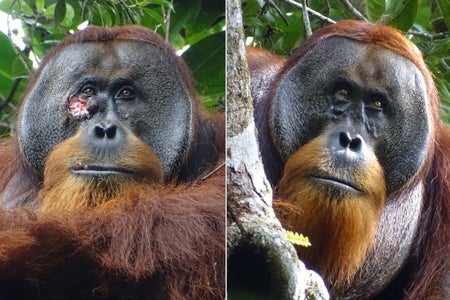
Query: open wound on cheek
<point>78,107</point>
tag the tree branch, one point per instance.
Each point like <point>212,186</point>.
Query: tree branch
<point>306,21</point>
<point>431,37</point>
<point>12,92</point>
<point>167,21</point>
<point>14,46</point>
<point>128,11</point>
<point>253,227</point>
<point>354,10</point>
<point>310,11</point>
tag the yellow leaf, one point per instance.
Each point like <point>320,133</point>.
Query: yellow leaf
<point>298,239</point>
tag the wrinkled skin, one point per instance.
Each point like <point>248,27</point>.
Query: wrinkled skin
<point>142,99</point>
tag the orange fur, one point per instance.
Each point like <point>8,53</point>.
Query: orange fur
<point>64,236</point>
<point>167,242</point>
<point>62,190</point>
<point>425,272</point>
<point>262,61</point>
<point>134,237</point>
<point>341,225</point>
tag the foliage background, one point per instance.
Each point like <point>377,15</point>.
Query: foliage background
<point>193,26</point>
<point>278,25</point>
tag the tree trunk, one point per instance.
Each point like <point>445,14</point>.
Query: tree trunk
<point>262,263</point>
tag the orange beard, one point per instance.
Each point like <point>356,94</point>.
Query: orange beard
<point>62,190</point>
<point>340,224</point>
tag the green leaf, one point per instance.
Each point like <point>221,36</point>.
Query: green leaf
<point>208,14</point>
<point>50,11</point>
<point>298,239</point>
<point>26,9</point>
<point>375,9</point>
<point>40,5</point>
<point>164,3</point>
<point>206,60</point>
<point>60,11</point>
<point>11,68</point>
<point>185,12</point>
<point>444,5</point>
<point>402,13</point>
<point>155,15</point>
<point>152,18</point>
<point>5,5</point>
<point>423,17</point>
<point>69,17</point>
<point>8,53</point>
<point>101,16</point>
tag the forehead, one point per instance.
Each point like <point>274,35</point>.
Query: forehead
<point>110,57</point>
<point>370,64</point>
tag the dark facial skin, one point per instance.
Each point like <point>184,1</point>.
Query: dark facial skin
<point>353,101</point>
<point>358,94</point>
<point>119,86</point>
